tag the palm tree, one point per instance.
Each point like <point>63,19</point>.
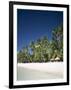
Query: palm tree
<point>21,56</point>
<point>32,46</point>
<point>42,49</point>
<point>57,38</point>
<point>43,45</point>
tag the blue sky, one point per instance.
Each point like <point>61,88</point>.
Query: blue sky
<point>34,24</point>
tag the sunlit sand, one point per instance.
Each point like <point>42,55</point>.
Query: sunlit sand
<point>37,71</point>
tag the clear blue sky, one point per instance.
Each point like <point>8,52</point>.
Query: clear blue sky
<point>33,24</point>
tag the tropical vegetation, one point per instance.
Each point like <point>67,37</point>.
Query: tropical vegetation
<point>43,49</point>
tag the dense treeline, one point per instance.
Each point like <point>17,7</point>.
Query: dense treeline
<point>43,50</point>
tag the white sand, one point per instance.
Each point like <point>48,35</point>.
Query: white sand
<point>51,67</point>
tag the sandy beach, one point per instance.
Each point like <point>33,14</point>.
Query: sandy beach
<point>37,71</point>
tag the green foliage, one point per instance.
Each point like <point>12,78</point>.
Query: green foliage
<point>42,50</point>
<point>58,41</point>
